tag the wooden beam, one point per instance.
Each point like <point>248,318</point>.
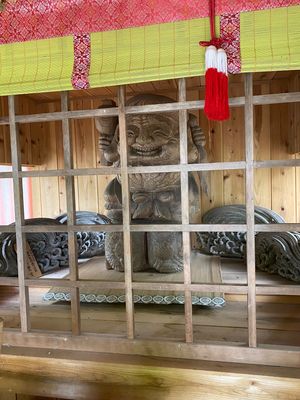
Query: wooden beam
<point>158,228</point>
<point>285,356</point>
<point>7,228</point>
<point>186,242</point>
<point>276,98</point>
<point>109,378</point>
<point>249,131</point>
<point>19,215</point>
<point>126,213</point>
<point>71,213</point>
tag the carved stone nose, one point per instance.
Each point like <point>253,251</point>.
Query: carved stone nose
<point>143,138</point>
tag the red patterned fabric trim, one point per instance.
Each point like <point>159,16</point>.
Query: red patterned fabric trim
<point>237,6</point>
<point>82,61</point>
<point>230,32</point>
<point>24,20</point>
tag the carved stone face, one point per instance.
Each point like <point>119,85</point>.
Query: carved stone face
<point>153,139</point>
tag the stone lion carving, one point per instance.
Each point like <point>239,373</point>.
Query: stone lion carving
<point>153,139</point>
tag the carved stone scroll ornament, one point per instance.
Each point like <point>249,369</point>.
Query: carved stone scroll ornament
<point>90,244</point>
<point>51,249</point>
<point>153,139</point>
<point>275,252</point>
<point>231,244</point>
<point>279,253</point>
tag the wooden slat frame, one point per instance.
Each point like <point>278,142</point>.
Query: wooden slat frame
<point>220,352</point>
<point>19,215</point>
<point>275,98</point>
<point>217,166</point>
<point>71,214</point>
<point>266,355</point>
<point>186,241</point>
<point>249,151</point>
<point>126,213</point>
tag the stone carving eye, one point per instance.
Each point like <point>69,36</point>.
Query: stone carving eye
<point>159,132</point>
<point>130,133</point>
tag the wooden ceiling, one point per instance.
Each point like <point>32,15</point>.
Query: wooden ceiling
<point>163,87</point>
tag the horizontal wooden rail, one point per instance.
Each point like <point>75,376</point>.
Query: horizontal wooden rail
<point>287,227</point>
<point>8,281</point>
<point>70,172</point>
<point>284,227</point>
<point>7,228</point>
<point>266,290</point>
<point>295,162</point>
<point>214,166</point>
<point>274,98</point>
<point>268,355</point>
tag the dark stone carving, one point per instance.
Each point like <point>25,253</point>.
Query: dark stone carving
<point>276,252</point>
<point>90,244</point>
<point>279,253</point>
<point>51,249</point>
<point>231,244</point>
<point>153,139</point>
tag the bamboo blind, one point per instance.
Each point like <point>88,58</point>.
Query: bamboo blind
<point>76,340</point>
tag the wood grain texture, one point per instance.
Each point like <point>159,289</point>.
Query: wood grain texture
<point>92,380</point>
<point>19,215</point>
<point>249,153</point>
<point>71,213</point>
<point>224,142</point>
<point>126,213</point>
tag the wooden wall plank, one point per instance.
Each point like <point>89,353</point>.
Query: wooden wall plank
<point>294,116</point>
<point>22,107</point>
<point>234,150</point>
<point>283,179</point>
<point>85,158</point>
<point>5,155</point>
<point>262,176</point>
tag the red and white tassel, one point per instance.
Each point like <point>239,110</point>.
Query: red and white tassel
<point>211,81</point>
<point>223,103</point>
<point>216,105</point>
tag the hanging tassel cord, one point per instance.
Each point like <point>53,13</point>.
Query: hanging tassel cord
<point>214,41</point>
<point>216,106</point>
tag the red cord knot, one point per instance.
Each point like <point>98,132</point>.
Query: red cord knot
<point>217,42</point>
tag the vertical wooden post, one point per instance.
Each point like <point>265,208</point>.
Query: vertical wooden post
<point>19,215</point>
<point>250,210</point>
<point>186,242</point>
<point>71,213</point>
<point>126,213</point>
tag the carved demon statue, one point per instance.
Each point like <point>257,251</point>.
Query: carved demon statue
<point>153,139</point>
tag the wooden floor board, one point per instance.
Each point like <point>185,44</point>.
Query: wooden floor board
<point>278,318</point>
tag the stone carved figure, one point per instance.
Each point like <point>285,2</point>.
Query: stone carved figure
<point>153,139</point>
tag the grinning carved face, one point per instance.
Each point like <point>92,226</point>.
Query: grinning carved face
<point>153,139</point>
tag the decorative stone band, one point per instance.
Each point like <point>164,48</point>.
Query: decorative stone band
<point>142,299</point>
